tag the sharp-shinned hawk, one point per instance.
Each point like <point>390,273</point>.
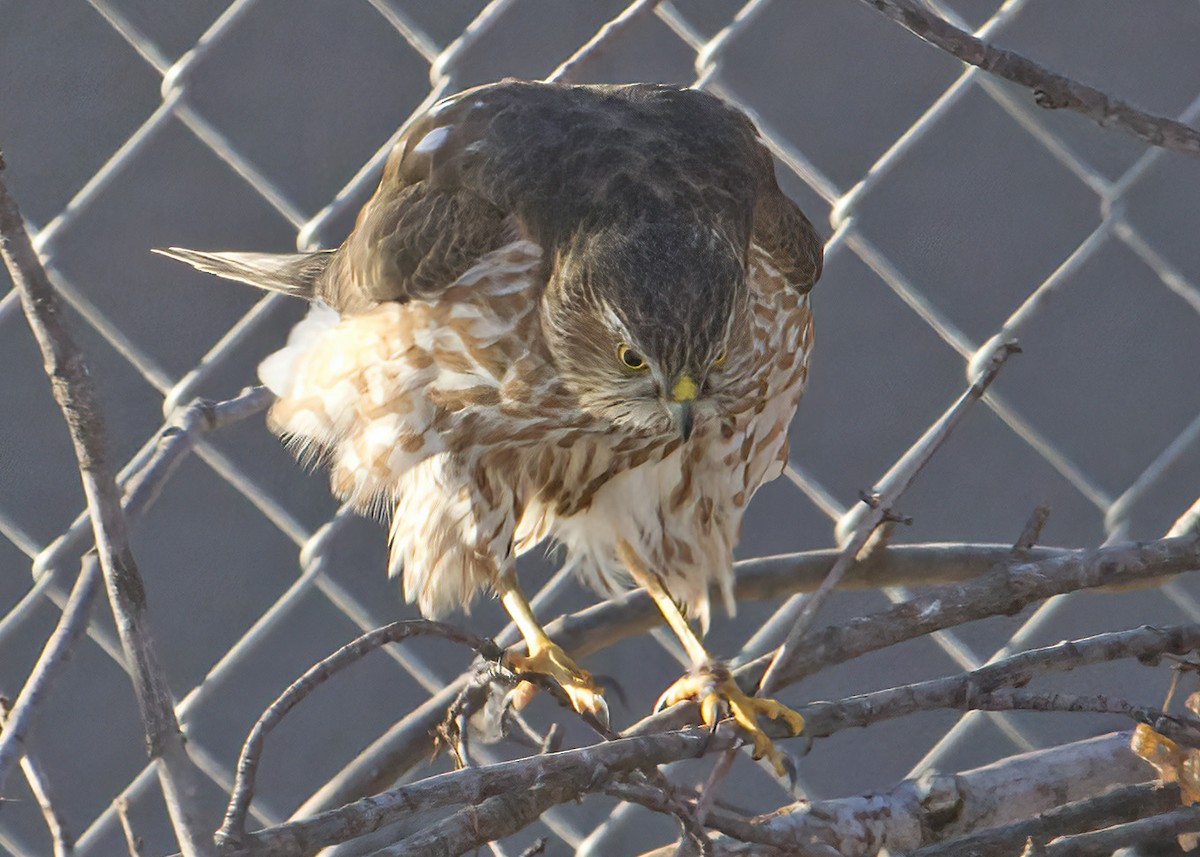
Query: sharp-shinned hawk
<point>569,312</point>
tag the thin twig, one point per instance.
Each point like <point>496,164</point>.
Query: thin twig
<point>154,464</point>
<point>1001,593</point>
<point>894,483</point>
<point>538,847</point>
<point>178,437</point>
<point>657,800</point>
<point>1146,644</point>
<point>864,524</point>
<point>1182,729</point>
<point>50,663</point>
<point>133,842</point>
<point>39,785</point>
<point>576,770</point>
<point>1031,532</point>
<point>660,796</point>
<point>987,688</point>
<point>73,390</point>
<point>408,742</point>
<point>1051,90</point>
<point>234,826</point>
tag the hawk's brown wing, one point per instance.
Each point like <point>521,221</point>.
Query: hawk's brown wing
<point>412,241</point>
<point>541,161</point>
<point>787,236</point>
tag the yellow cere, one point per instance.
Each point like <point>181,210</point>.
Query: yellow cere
<point>685,389</point>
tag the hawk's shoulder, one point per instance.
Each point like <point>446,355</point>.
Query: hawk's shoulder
<point>543,161</point>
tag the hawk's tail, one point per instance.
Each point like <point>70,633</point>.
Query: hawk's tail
<point>297,274</point>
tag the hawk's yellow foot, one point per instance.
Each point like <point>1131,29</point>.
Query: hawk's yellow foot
<point>549,659</point>
<point>710,685</point>
<point>716,691</point>
<point>546,657</point>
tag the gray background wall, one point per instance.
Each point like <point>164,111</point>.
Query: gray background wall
<point>990,202</point>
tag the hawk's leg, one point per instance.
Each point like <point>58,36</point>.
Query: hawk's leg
<point>710,682</point>
<point>546,657</point>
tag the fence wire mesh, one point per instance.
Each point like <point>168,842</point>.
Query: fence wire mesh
<point>960,215</point>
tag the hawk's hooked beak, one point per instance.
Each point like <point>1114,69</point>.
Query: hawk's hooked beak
<point>683,395</point>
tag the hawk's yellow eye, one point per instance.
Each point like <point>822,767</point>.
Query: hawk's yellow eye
<point>631,358</point>
<point>720,358</point>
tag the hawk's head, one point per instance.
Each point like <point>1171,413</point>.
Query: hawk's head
<point>646,321</point>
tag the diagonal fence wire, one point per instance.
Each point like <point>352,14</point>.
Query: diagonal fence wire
<point>52,562</point>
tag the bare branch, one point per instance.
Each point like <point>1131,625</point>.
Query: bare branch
<point>133,842</point>
<point>1010,585</point>
<point>657,799</point>
<point>985,688</point>
<point>1051,90</point>
<point>1182,729</point>
<point>576,771</point>
<point>234,827</point>
<point>866,517</point>
<point>694,837</point>
<point>942,807</point>
<point>590,630</point>
<point>71,626</point>
<point>39,785</point>
<point>1123,805</point>
<point>76,396</point>
<point>1102,843</point>
<point>494,818</point>
<point>970,689</point>
<point>179,436</point>
<point>1031,532</point>
<point>1001,593</point>
<point>158,461</point>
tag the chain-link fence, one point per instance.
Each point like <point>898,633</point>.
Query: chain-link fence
<point>961,215</point>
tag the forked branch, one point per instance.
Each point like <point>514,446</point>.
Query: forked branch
<point>1051,90</point>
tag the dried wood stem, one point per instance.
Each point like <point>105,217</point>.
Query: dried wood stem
<point>939,808</point>
<point>571,772</point>
<point>76,395</point>
<point>233,829</point>
<point>972,689</point>
<point>408,742</point>
<point>988,687</point>
<point>1102,843</point>
<point>50,663</point>
<point>659,800</point>
<point>133,842</point>
<point>1002,593</point>
<point>1051,90</point>
<point>60,837</point>
<point>1031,532</point>
<point>1116,807</point>
<point>1005,585</point>
<point>1182,729</point>
<point>869,516</point>
<point>180,435</point>
<point>494,818</point>
<point>1006,590</point>
<point>158,461</point>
